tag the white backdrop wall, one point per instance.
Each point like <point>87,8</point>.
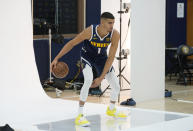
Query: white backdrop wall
<point>146,41</point>
<point>18,66</point>
<point>22,98</point>
<point>148,49</point>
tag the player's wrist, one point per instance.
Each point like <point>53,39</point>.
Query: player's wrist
<point>56,58</point>
<point>101,77</point>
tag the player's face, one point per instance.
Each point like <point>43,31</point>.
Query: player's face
<point>108,24</point>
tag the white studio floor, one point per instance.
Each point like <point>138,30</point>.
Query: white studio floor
<point>25,106</point>
<point>58,115</point>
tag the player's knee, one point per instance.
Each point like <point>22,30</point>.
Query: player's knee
<point>116,88</point>
<point>113,79</point>
<point>88,82</point>
<point>88,75</point>
<point>88,79</point>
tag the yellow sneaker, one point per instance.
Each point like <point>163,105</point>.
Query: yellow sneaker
<point>115,113</point>
<point>81,121</point>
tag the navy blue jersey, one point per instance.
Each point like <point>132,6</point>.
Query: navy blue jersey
<point>94,51</point>
<point>96,46</point>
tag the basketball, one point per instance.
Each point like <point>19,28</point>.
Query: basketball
<point>61,70</point>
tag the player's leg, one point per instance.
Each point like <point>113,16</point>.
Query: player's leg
<point>114,83</point>
<point>88,78</point>
<point>111,78</point>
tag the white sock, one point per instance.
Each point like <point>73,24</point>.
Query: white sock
<point>80,110</point>
<point>111,106</point>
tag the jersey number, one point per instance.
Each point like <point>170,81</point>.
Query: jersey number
<point>99,50</point>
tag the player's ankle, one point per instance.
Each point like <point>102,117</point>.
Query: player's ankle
<point>111,106</point>
<point>81,110</point>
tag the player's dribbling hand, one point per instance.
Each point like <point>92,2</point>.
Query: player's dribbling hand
<point>96,83</point>
<point>53,64</point>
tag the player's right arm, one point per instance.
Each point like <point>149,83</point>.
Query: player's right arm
<point>85,34</point>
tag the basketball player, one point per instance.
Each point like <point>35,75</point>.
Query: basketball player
<point>94,54</point>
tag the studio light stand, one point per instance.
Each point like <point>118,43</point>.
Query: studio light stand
<point>122,54</point>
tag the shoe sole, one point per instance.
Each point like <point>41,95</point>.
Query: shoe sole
<point>84,125</point>
<point>121,118</point>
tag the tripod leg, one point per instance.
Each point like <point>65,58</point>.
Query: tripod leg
<point>50,54</point>
<point>125,79</point>
<point>104,91</point>
<point>119,98</point>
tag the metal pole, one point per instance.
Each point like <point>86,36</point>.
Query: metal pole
<point>120,48</point>
<point>50,52</point>
<point>56,14</point>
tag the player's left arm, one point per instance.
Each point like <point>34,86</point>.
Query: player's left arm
<point>113,49</point>
<point>114,45</point>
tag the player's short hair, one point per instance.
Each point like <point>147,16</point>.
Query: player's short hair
<point>107,15</point>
